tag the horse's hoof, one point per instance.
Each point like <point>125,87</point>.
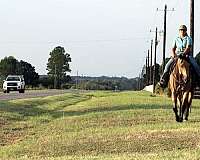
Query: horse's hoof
<point>186,119</point>
<point>177,119</point>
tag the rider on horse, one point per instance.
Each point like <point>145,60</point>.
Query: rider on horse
<point>181,45</point>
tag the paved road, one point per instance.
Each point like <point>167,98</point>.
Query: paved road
<point>31,94</point>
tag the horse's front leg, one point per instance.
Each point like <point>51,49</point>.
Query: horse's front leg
<point>184,105</point>
<point>180,100</point>
<point>174,100</point>
<point>190,95</point>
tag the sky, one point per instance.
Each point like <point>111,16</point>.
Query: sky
<point>103,37</point>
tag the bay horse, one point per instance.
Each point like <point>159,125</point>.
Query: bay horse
<point>180,84</point>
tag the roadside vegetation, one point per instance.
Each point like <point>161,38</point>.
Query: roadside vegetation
<point>97,125</point>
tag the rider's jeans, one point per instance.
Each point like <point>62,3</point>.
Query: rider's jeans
<point>168,65</point>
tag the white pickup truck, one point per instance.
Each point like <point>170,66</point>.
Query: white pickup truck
<point>14,83</point>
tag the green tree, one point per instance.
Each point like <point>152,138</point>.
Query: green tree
<point>58,65</point>
<point>8,66</point>
<point>46,81</point>
<point>28,71</point>
<point>11,66</point>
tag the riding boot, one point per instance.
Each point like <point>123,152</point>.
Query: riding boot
<point>164,80</point>
<point>165,77</point>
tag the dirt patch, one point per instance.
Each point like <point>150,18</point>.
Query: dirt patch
<point>10,135</point>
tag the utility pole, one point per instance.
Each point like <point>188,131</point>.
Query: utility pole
<point>192,23</point>
<point>139,82</point>
<point>148,75</point>
<point>155,50</point>
<point>151,59</point>
<point>146,72</point>
<point>164,37</point>
<point>77,80</point>
<point>154,77</point>
<point>164,33</point>
<point>55,77</point>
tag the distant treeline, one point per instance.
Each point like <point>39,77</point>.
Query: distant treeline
<point>93,83</point>
<point>106,83</point>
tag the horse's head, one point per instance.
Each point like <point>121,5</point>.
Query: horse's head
<point>183,69</point>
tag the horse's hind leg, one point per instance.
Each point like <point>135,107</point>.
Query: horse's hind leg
<point>176,112</point>
<point>183,107</point>
<point>187,112</point>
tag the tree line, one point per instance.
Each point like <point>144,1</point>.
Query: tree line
<point>104,83</point>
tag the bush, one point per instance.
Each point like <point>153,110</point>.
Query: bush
<point>161,91</point>
<point>66,86</point>
<point>1,85</point>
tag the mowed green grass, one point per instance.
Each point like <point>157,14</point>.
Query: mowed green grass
<point>97,126</point>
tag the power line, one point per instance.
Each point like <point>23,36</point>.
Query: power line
<point>170,15</point>
<point>192,23</point>
<point>76,42</point>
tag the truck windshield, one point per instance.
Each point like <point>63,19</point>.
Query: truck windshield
<point>13,79</point>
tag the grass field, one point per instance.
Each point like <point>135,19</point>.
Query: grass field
<point>97,126</point>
